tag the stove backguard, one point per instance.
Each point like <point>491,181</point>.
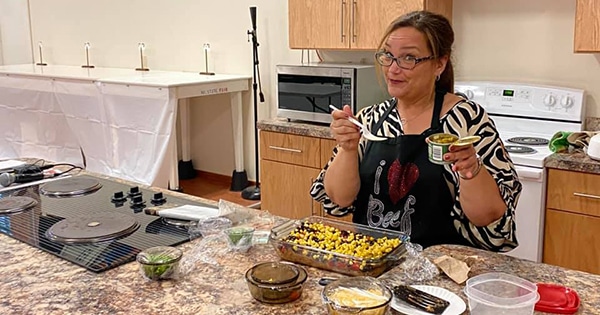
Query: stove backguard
<point>30,226</point>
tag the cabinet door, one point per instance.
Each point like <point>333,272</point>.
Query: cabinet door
<point>327,146</point>
<point>321,24</point>
<point>587,26</point>
<point>571,241</point>
<point>285,189</point>
<point>369,19</point>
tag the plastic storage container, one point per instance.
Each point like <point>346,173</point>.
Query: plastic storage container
<point>329,260</point>
<point>499,293</point>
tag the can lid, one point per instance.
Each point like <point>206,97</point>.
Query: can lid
<point>557,299</point>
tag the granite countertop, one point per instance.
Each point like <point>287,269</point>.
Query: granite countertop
<point>294,127</point>
<point>35,282</point>
<point>577,162</point>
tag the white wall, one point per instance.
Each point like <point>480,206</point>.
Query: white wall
<point>495,40</point>
<point>15,40</point>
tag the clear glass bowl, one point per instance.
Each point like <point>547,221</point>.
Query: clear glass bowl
<point>159,263</point>
<point>357,295</point>
<point>239,238</point>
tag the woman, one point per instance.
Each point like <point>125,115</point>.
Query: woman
<point>391,184</point>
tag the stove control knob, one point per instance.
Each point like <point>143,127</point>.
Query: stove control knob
<point>469,94</point>
<point>566,102</point>
<point>137,203</point>
<point>118,197</point>
<point>549,100</point>
<point>158,199</point>
<point>134,191</point>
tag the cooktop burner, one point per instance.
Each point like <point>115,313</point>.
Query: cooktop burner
<point>70,187</point>
<point>16,204</point>
<point>520,149</point>
<point>529,140</point>
<point>90,230</point>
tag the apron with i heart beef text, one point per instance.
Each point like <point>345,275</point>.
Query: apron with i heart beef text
<point>402,190</point>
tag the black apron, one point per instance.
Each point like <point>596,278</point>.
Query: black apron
<point>402,190</point>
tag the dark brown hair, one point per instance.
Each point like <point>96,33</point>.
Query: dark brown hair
<point>440,37</point>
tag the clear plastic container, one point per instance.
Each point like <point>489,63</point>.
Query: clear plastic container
<point>499,293</point>
<point>240,238</point>
<point>329,260</point>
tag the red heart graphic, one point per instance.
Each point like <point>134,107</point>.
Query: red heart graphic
<point>401,178</point>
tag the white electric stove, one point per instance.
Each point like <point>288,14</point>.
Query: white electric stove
<point>527,116</point>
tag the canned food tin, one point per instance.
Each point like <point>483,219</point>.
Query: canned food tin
<point>439,144</point>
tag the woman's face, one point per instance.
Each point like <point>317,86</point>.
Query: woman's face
<point>402,83</point>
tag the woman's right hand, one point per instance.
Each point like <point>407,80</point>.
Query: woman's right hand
<point>346,134</point>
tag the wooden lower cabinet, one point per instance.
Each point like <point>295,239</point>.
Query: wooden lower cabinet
<point>285,189</point>
<point>572,240</point>
<point>289,164</point>
<point>572,222</point>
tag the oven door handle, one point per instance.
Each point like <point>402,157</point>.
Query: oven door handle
<point>529,173</point>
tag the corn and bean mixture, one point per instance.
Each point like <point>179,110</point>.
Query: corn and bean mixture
<point>332,239</point>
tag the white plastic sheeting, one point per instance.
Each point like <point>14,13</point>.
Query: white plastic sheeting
<point>32,123</point>
<point>123,130</point>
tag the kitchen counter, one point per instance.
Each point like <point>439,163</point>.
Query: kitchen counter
<point>577,162</point>
<point>35,282</point>
<point>295,127</point>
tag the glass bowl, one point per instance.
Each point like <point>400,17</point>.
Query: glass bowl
<point>276,282</point>
<point>159,263</point>
<point>357,295</point>
<point>239,238</point>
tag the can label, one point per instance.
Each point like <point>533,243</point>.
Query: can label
<point>438,145</point>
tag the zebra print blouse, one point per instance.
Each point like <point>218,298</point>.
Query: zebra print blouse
<point>464,118</point>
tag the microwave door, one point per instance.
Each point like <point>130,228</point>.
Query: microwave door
<point>313,98</point>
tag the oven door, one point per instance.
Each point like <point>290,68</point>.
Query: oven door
<point>530,214</point>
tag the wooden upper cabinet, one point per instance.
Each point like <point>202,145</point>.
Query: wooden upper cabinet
<point>350,24</point>
<point>587,26</point>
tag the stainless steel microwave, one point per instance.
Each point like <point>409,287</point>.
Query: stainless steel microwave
<point>304,92</point>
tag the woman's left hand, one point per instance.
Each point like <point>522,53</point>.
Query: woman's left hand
<point>464,160</point>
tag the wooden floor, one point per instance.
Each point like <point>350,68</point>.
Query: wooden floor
<point>214,187</point>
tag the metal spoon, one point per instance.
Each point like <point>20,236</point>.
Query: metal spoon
<point>365,132</point>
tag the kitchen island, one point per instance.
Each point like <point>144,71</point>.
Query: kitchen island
<point>35,282</point>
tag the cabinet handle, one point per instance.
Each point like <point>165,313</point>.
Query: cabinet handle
<point>285,149</point>
<point>586,195</point>
<point>342,24</point>
<point>353,21</point>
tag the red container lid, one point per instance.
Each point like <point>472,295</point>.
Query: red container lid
<point>557,299</point>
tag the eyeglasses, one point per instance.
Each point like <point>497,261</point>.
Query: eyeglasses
<point>406,62</point>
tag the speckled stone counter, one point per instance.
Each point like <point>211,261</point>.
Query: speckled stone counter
<point>577,162</point>
<point>35,282</point>
<point>294,127</point>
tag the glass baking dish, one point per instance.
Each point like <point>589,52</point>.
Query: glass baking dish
<point>328,260</point>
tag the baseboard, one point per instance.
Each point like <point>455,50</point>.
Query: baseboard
<point>218,177</point>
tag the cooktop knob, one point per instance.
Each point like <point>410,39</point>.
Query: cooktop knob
<point>469,94</point>
<point>158,199</point>
<point>137,203</point>
<point>134,191</point>
<point>118,197</point>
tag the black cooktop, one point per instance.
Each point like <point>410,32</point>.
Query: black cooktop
<point>93,222</point>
